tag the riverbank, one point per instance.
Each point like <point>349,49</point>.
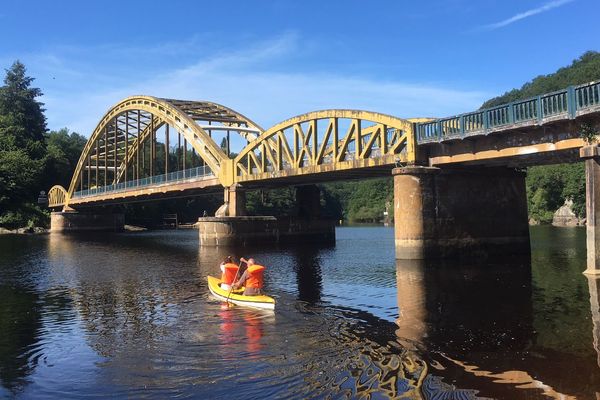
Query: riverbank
<point>36,230</point>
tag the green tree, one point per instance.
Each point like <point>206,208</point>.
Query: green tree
<point>63,151</point>
<point>22,146</point>
<point>367,202</point>
<point>549,186</point>
<point>271,202</point>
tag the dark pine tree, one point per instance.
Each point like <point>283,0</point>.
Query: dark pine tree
<point>22,145</point>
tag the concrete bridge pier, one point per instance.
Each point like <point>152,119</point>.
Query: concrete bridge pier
<point>74,221</point>
<point>232,227</point>
<point>234,202</point>
<point>448,213</point>
<point>591,155</point>
<point>308,201</point>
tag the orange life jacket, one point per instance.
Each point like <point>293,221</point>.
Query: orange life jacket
<point>255,276</point>
<point>229,272</point>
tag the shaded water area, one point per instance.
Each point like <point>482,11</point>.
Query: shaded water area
<point>129,315</point>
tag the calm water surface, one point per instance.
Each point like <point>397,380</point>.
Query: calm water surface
<point>129,315</point>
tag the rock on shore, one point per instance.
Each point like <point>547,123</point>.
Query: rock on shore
<point>23,231</point>
<point>565,216</point>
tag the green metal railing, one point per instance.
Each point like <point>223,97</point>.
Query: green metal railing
<point>177,176</point>
<point>568,103</point>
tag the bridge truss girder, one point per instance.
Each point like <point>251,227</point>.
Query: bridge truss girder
<point>326,141</point>
<point>125,129</point>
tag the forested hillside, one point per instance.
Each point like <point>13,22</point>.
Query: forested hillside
<point>549,186</point>
<point>582,70</point>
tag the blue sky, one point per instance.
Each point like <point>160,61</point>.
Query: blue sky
<point>271,60</point>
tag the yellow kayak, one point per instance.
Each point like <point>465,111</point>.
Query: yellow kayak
<point>260,301</point>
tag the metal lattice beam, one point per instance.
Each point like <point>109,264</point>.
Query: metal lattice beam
<point>297,146</point>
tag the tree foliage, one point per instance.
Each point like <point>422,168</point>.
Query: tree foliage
<point>31,160</point>
<point>361,201</point>
<point>22,147</point>
<point>63,151</point>
<point>271,202</point>
<point>549,186</point>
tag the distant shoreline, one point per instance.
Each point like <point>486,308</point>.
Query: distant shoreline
<point>36,230</point>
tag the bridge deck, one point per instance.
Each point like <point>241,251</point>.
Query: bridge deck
<point>171,185</point>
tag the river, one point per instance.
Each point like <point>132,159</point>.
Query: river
<point>130,315</point>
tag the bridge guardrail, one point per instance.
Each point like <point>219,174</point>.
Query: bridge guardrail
<point>177,176</point>
<point>562,104</point>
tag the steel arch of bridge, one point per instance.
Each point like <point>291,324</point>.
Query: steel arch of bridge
<point>179,114</point>
<point>57,195</point>
<point>300,145</point>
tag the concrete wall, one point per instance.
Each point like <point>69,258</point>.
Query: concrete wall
<point>76,222</point>
<point>459,212</point>
<point>229,231</point>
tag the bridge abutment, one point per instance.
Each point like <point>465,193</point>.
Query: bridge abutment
<point>74,221</point>
<point>591,155</point>
<point>305,226</point>
<point>447,213</point>
<point>240,230</point>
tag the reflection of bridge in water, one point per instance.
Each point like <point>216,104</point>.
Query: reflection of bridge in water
<point>458,176</point>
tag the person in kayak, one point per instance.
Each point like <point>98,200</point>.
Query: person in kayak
<point>229,271</point>
<point>251,279</point>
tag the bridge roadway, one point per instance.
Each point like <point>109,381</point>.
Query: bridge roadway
<point>124,161</point>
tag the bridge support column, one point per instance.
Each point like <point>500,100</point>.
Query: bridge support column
<point>454,213</point>
<point>234,202</point>
<point>308,201</point>
<point>591,155</point>
<point>241,230</point>
<point>73,221</point>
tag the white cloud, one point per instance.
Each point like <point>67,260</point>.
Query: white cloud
<point>247,82</point>
<point>546,7</point>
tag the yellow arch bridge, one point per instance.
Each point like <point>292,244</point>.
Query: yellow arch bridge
<point>123,160</point>
<point>450,172</point>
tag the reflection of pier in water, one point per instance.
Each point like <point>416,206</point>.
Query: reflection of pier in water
<point>478,321</point>
<point>594,286</point>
